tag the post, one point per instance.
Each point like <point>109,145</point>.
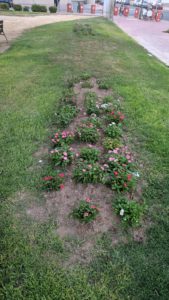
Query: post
<point>108,9</point>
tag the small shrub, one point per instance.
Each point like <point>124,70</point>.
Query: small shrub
<point>53,183</point>
<point>62,156</point>
<point>85,76</point>
<point>120,181</point>
<point>89,154</point>
<point>113,130</point>
<point>17,7</point>
<point>87,85</point>
<point>88,173</point>
<point>68,97</point>
<point>26,8</point>
<point>91,103</point>
<point>115,116</point>
<point>38,8</point>
<point>120,159</point>
<point>94,120</point>
<point>66,115</point>
<point>69,83</point>
<point>106,107</point>
<point>103,84</point>
<point>110,144</point>
<point>52,9</point>
<point>115,103</point>
<point>63,138</point>
<point>84,29</point>
<point>130,212</point>
<point>4,6</point>
<point>86,212</point>
<point>87,134</point>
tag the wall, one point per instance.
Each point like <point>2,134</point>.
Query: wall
<point>30,2</point>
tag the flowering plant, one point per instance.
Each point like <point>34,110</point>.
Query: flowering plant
<point>87,133</point>
<point>110,144</point>
<point>55,182</point>
<point>86,212</point>
<point>120,159</point>
<point>89,154</point>
<point>130,212</point>
<point>62,156</point>
<point>115,116</point>
<point>120,181</point>
<point>91,104</point>
<point>119,174</point>
<point>62,138</point>
<point>113,130</point>
<point>88,173</point>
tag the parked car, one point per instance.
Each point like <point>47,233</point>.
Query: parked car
<point>9,2</point>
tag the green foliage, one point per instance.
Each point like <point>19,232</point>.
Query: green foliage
<point>53,183</point>
<point>17,7</point>
<point>63,138</point>
<point>83,29</point>
<point>4,6</point>
<point>86,172</point>
<point>115,116</point>
<point>113,130</point>
<point>120,181</point>
<point>89,154</point>
<point>38,8</point>
<point>62,156</point>
<point>85,76</point>
<point>110,143</point>
<point>85,212</point>
<point>26,8</point>
<point>68,97</point>
<point>103,84</point>
<point>87,85</point>
<point>65,115</point>
<point>116,104</point>
<point>96,121</point>
<point>91,103</point>
<point>129,211</point>
<point>52,9</point>
<point>87,134</point>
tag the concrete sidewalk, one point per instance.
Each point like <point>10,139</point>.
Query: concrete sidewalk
<point>149,34</point>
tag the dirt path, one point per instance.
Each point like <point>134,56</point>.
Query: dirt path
<point>15,25</point>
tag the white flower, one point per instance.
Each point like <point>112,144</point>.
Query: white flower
<point>40,161</point>
<point>136,174</point>
<point>122,212</point>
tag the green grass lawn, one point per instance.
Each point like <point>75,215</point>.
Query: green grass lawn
<point>32,79</point>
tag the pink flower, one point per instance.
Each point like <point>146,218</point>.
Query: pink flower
<point>115,151</point>
<point>77,154</point>
<point>65,158</point>
<point>84,170</point>
<point>111,158</point>
<point>115,173</point>
<point>89,166</point>
<point>105,165</point>
<point>128,156</point>
<point>62,186</point>
<point>48,178</point>
<point>87,199</point>
<point>65,153</point>
<point>93,206</point>
<point>86,214</point>
<point>61,175</point>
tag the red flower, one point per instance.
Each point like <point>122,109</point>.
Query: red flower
<point>122,117</point>
<point>93,206</point>
<point>112,113</point>
<point>125,185</point>
<point>129,176</point>
<point>62,186</point>
<point>61,175</point>
<point>116,173</point>
<point>48,178</point>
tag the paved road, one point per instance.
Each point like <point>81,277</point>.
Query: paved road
<point>149,34</point>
